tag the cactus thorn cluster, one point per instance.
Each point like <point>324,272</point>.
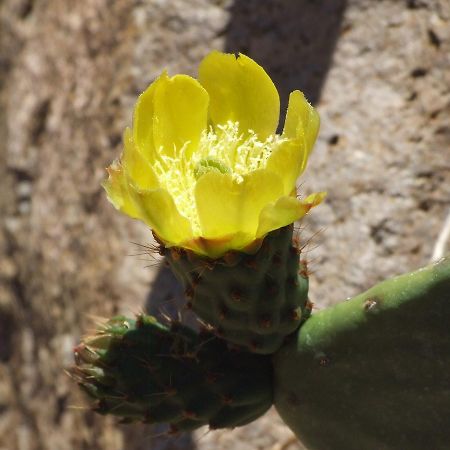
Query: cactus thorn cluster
<point>143,371</point>
<point>251,300</point>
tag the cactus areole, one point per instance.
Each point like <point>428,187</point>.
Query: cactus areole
<point>203,167</point>
<point>253,301</point>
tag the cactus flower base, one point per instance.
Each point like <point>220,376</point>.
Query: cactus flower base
<point>251,300</point>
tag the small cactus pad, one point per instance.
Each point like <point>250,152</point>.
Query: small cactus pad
<point>251,300</point>
<point>374,370</point>
<point>143,371</point>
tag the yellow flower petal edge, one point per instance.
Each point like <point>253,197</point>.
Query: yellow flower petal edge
<point>286,211</point>
<point>301,124</point>
<point>240,91</point>
<point>180,113</point>
<point>202,165</point>
<point>158,210</point>
<point>227,207</point>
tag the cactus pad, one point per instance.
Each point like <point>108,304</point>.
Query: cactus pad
<point>143,371</point>
<point>251,300</point>
<point>374,370</point>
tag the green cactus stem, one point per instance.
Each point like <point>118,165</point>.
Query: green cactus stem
<point>253,301</point>
<point>143,371</point>
<point>373,373</point>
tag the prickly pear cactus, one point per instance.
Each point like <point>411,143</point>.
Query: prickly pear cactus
<point>143,371</point>
<point>204,168</point>
<point>371,373</point>
<point>251,300</point>
<point>374,370</point>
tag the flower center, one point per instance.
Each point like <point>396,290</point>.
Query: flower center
<point>223,149</point>
<point>210,164</point>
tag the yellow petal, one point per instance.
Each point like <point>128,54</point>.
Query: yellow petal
<point>285,211</point>
<point>287,161</point>
<point>117,190</point>
<point>217,198</point>
<point>260,188</point>
<point>157,209</point>
<point>240,91</point>
<point>135,166</point>
<point>143,119</point>
<point>302,122</point>
<point>315,199</point>
<point>180,115</point>
<point>226,207</point>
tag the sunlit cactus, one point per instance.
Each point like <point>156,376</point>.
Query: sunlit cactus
<point>204,168</point>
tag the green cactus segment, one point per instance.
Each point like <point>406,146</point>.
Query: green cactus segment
<point>373,372</point>
<point>143,371</point>
<point>253,301</point>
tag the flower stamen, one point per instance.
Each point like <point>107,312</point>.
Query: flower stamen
<point>223,149</point>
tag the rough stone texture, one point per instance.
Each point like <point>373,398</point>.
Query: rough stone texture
<point>384,148</point>
<point>69,75</point>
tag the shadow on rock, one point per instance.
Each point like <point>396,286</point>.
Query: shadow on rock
<point>293,40</point>
<point>8,327</point>
<point>166,299</point>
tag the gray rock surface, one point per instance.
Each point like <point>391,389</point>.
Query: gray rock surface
<point>379,73</point>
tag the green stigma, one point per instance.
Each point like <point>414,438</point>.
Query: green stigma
<point>206,165</point>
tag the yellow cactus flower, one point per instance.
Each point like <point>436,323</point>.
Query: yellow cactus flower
<point>203,166</point>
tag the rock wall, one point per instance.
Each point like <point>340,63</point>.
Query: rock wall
<point>70,71</point>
